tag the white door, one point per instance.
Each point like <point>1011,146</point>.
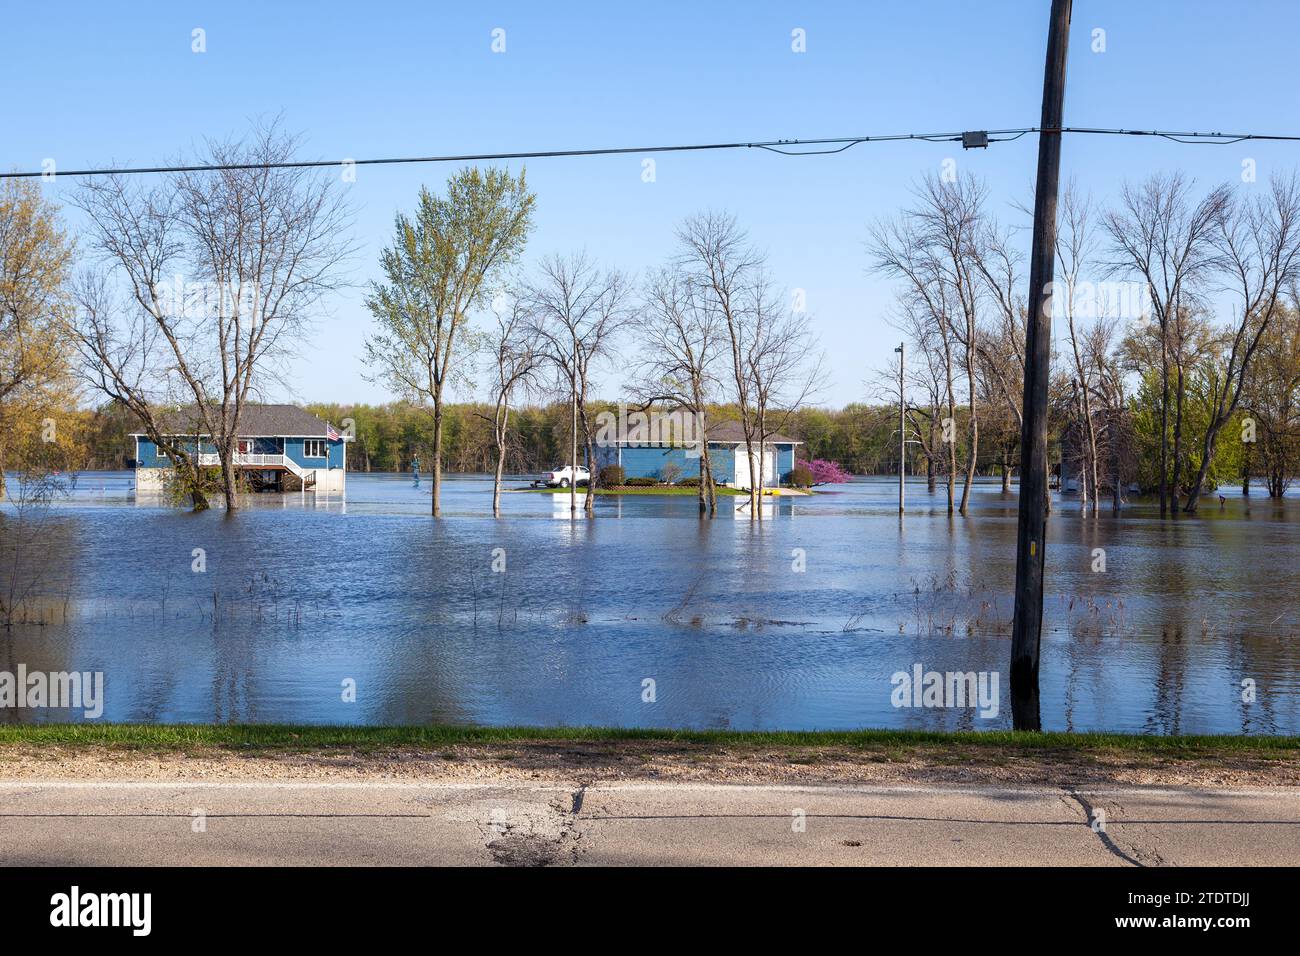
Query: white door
<point>742,467</point>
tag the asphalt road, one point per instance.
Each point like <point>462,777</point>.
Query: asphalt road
<point>358,823</point>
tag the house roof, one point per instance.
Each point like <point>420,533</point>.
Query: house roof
<point>255,421</point>
<point>723,431</point>
<point>729,430</point>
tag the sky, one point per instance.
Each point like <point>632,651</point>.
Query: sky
<point>99,84</point>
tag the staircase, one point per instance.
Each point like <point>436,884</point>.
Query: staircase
<point>307,477</point>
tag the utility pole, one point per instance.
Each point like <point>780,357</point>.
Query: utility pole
<point>1031,530</point>
<point>902,427</point>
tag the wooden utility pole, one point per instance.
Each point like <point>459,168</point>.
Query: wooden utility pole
<point>902,427</point>
<point>1031,531</point>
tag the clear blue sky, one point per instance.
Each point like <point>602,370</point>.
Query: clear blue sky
<point>99,83</point>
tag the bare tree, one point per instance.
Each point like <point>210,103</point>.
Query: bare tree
<point>682,340</point>
<point>1258,239</point>
<point>1074,252</point>
<point>126,357</point>
<point>209,278</point>
<point>932,248</point>
<point>1158,235</point>
<point>516,359</point>
<point>785,371</point>
<point>727,274</point>
<point>577,311</point>
<point>1110,401</point>
<point>437,269</point>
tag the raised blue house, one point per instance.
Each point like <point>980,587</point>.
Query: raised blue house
<point>280,448</point>
<point>682,458</point>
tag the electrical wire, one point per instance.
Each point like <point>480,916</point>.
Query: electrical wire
<point>784,147</point>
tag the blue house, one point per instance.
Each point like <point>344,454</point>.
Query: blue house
<point>279,448</point>
<point>681,459</point>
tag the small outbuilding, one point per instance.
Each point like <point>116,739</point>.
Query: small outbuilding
<point>675,460</point>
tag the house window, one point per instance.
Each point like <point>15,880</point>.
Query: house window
<point>314,448</point>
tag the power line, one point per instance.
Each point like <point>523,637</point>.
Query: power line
<point>785,147</point>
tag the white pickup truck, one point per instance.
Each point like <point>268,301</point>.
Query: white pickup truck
<point>568,475</point>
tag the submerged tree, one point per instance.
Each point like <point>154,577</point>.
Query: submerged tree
<point>206,280</point>
<point>729,277</point>
<point>577,311</point>
<point>436,271</point>
<point>515,358</point>
<point>1164,239</point>
<point>1272,401</point>
<point>682,339</point>
<point>1259,241</point>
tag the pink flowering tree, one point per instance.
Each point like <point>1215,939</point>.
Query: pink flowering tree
<point>825,472</point>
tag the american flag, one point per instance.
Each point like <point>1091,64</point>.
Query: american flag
<point>331,432</point>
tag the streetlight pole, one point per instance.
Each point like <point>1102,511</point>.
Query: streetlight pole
<point>902,427</point>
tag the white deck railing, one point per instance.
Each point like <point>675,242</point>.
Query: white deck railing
<point>257,461</point>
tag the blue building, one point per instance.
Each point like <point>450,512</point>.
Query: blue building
<point>681,459</point>
<point>279,448</point>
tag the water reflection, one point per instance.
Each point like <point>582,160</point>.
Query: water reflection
<point>797,621</point>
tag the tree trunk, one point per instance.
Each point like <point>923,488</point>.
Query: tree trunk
<point>437,459</point>
<point>930,476</point>
<point>973,438</point>
<point>228,477</point>
<point>950,427</point>
<point>1117,493</point>
<point>753,485</point>
<point>573,452</point>
<point>1207,453</point>
<point>499,433</point>
<point>1006,473</point>
<point>1164,420</point>
<point>1176,484</point>
<point>590,501</point>
<point>706,478</point>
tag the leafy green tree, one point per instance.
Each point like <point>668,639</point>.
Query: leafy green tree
<point>438,269</point>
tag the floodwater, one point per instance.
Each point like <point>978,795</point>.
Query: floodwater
<point>647,616</point>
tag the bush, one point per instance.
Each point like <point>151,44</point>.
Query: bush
<point>611,476</point>
<point>689,483</point>
<point>801,477</point>
<point>640,482</point>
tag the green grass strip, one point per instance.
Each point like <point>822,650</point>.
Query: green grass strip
<point>296,737</point>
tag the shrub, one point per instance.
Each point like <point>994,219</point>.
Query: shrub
<point>640,482</point>
<point>824,472</point>
<point>689,483</point>
<point>611,476</point>
<point>801,477</point>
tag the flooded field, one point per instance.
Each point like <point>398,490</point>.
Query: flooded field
<point>646,616</point>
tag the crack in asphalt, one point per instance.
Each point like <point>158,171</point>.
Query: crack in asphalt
<point>1102,835</point>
